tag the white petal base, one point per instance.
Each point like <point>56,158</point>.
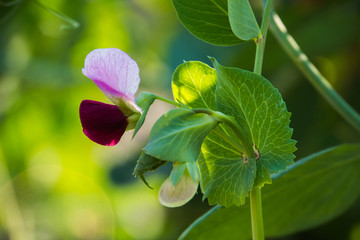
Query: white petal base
<point>176,196</point>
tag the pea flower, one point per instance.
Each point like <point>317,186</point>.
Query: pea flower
<point>181,186</point>
<point>117,76</point>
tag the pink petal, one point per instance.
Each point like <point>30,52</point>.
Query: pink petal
<point>113,71</point>
<point>102,123</point>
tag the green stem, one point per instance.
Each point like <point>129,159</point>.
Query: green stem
<point>145,96</point>
<point>313,75</point>
<point>260,47</point>
<point>260,41</point>
<point>255,194</point>
<point>167,101</point>
<point>256,214</point>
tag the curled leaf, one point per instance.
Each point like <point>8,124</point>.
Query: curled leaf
<point>145,164</point>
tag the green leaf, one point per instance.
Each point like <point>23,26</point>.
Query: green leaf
<point>145,164</point>
<point>177,172</point>
<point>194,84</point>
<point>242,20</point>
<point>193,171</point>
<point>207,20</point>
<point>178,135</point>
<point>260,110</point>
<point>225,179</point>
<point>144,101</point>
<point>316,189</point>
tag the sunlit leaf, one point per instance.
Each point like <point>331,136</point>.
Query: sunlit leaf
<point>194,84</point>
<point>313,191</point>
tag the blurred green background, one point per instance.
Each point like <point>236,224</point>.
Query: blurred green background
<point>57,184</point>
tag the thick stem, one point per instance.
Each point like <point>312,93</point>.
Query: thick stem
<point>260,41</point>
<point>288,43</point>
<point>255,194</point>
<point>260,47</point>
<point>256,214</point>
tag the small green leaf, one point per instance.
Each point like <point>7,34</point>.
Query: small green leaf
<point>177,171</point>
<point>145,164</point>
<point>178,135</point>
<point>144,101</point>
<point>207,20</point>
<point>193,171</point>
<point>312,191</point>
<point>194,84</point>
<point>242,20</point>
<point>259,108</point>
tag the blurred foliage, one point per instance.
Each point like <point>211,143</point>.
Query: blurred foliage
<point>57,184</point>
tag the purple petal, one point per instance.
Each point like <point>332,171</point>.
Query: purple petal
<point>113,71</point>
<point>102,123</point>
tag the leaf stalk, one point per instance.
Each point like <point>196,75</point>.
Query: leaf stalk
<point>257,224</point>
